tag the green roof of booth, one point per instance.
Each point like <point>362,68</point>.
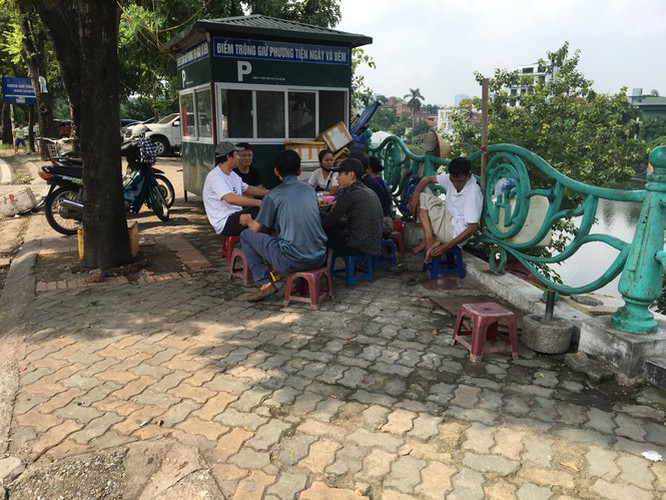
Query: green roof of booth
<point>258,25</point>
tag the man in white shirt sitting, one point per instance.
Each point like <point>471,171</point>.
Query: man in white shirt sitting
<point>454,220</point>
<point>226,196</point>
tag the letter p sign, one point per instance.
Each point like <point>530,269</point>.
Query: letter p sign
<point>244,68</point>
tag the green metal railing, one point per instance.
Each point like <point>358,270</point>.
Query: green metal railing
<point>510,231</point>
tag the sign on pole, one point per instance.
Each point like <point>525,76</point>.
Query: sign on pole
<point>18,90</point>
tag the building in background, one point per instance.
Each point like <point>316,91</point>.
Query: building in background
<point>535,70</point>
<point>651,103</point>
<point>446,113</point>
<point>458,98</point>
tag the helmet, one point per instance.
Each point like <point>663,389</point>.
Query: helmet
<point>139,130</point>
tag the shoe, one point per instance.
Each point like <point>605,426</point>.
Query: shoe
<point>262,293</point>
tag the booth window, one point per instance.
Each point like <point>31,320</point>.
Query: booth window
<point>302,115</point>
<point>187,115</point>
<point>332,106</point>
<point>237,113</point>
<point>195,114</point>
<point>204,121</point>
<point>279,113</point>
<point>270,114</point>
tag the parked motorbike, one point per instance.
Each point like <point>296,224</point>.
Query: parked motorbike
<point>64,202</point>
<point>129,149</point>
<point>168,192</point>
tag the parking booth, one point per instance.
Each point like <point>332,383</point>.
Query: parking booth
<point>269,82</point>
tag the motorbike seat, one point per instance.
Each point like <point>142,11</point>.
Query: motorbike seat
<point>68,170</point>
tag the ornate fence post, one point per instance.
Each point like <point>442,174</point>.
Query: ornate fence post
<point>641,281</point>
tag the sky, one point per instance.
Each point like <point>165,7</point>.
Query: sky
<point>436,45</point>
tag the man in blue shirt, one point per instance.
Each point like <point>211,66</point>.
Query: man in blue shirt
<point>291,210</point>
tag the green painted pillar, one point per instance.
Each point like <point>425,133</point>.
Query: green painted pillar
<point>641,280</point>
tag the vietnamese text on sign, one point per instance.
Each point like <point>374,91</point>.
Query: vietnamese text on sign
<point>279,51</point>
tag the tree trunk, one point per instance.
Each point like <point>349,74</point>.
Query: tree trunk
<point>33,42</point>
<point>6,123</point>
<point>106,242</point>
<point>62,26</point>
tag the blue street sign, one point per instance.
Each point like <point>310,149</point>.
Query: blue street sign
<point>18,90</point>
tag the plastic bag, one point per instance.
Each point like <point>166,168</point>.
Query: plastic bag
<point>504,185</point>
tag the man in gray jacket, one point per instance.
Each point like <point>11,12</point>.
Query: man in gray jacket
<point>354,224</point>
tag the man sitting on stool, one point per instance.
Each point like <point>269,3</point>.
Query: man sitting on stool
<point>225,195</point>
<point>453,221</point>
<point>245,169</point>
<point>354,224</point>
<point>291,210</point>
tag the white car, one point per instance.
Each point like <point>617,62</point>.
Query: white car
<point>165,134</point>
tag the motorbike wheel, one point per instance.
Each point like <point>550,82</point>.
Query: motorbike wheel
<point>160,206</point>
<point>166,188</point>
<point>54,211</point>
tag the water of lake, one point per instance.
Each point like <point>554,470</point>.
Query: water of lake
<point>614,218</point>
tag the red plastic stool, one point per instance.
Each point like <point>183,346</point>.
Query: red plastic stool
<point>314,289</point>
<point>485,318</point>
<point>244,270</point>
<point>228,244</point>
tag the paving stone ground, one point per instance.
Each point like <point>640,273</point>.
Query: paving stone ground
<point>364,398</point>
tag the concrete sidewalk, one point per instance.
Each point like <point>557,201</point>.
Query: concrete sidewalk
<point>191,392</point>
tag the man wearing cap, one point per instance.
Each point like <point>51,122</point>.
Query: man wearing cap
<point>354,224</point>
<point>245,170</point>
<point>226,196</point>
<point>372,182</point>
<point>291,210</point>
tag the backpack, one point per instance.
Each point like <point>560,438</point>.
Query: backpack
<point>130,150</point>
<point>407,192</point>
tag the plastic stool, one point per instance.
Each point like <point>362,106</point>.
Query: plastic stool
<point>388,254</point>
<point>453,264</point>
<point>350,274</point>
<point>244,271</point>
<point>228,244</point>
<point>485,318</point>
<point>313,289</point>
<point>396,236</point>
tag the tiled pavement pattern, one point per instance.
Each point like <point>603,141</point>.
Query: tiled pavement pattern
<point>363,398</point>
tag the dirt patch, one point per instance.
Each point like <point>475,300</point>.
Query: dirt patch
<point>90,476</point>
<point>152,259</point>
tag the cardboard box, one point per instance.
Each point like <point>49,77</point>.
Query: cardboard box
<point>337,137</point>
<point>307,150</point>
<point>18,202</point>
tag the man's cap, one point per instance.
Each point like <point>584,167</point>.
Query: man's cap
<point>350,165</point>
<point>226,147</point>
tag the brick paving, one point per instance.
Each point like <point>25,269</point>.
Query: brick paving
<point>364,398</point>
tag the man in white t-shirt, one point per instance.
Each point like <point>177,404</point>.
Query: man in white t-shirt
<point>226,196</point>
<point>454,220</point>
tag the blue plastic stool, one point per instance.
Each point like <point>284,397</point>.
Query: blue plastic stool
<point>388,254</point>
<point>452,265</point>
<point>350,274</point>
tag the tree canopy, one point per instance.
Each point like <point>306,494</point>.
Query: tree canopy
<point>146,25</point>
<point>89,42</point>
<point>583,134</point>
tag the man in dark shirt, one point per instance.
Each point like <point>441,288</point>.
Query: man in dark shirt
<point>372,183</point>
<point>245,170</point>
<point>354,224</point>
